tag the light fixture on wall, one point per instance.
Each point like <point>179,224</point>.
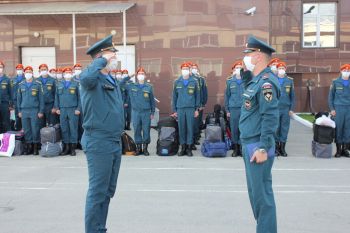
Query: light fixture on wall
<point>113,32</point>
<point>36,34</point>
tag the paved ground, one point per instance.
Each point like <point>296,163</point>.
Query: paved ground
<point>177,195</point>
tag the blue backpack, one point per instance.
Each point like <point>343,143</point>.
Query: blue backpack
<point>214,149</point>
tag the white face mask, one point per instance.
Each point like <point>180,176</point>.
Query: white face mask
<point>19,72</point>
<point>68,77</point>
<point>119,77</point>
<point>281,72</point>
<point>28,76</point>
<point>125,75</point>
<point>52,75</point>
<point>141,77</point>
<point>43,73</point>
<point>194,71</point>
<point>112,65</point>
<point>238,72</point>
<point>185,72</point>
<point>248,63</point>
<point>77,72</point>
<point>59,76</point>
<point>1,70</point>
<point>273,68</point>
<point>345,74</point>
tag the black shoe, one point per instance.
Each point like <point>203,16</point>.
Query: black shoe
<point>234,150</point>
<point>73,146</point>
<point>196,142</point>
<point>66,149</point>
<point>339,150</point>
<point>239,150</point>
<point>138,149</point>
<point>35,149</point>
<point>346,150</point>
<point>283,149</point>
<point>182,152</point>
<point>192,147</point>
<point>28,149</point>
<point>145,151</point>
<point>277,149</point>
<point>189,150</point>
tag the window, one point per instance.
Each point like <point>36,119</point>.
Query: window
<point>319,25</point>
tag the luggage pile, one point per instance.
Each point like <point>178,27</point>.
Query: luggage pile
<point>168,137</point>
<point>51,144</point>
<point>214,144</point>
<point>323,138</point>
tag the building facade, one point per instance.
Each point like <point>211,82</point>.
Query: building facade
<point>313,37</point>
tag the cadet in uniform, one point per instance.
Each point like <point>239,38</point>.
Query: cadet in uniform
<point>185,104</point>
<point>6,100</point>
<point>339,103</point>
<point>67,105</point>
<point>273,64</point>
<point>203,101</point>
<point>143,107</point>
<point>127,102</point>
<point>103,110</point>
<point>52,73</point>
<point>15,84</point>
<point>59,75</point>
<point>49,87</point>
<point>285,106</point>
<point>77,71</point>
<point>233,104</point>
<point>30,101</point>
<point>258,126</point>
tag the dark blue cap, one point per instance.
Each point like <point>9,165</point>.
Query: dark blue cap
<point>253,44</point>
<point>105,44</point>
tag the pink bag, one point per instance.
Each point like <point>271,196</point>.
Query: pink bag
<point>7,144</point>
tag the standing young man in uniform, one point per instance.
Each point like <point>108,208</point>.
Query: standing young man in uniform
<point>15,84</point>
<point>49,88</point>
<point>185,105</point>
<point>339,103</point>
<point>103,124</point>
<point>6,100</point>
<point>30,101</point>
<point>258,125</point>
<point>67,103</point>
<point>233,104</point>
<point>285,106</point>
<point>143,107</point>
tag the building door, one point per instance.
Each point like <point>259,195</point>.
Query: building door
<point>126,59</point>
<point>34,56</point>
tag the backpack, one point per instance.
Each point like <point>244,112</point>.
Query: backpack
<point>168,142</point>
<point>213,133</point>
<point>323,134</point>
<point>49,149</point>
<point>128,144</point>
<point>214,149</point>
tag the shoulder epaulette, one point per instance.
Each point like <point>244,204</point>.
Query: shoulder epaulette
<point>290,78</point>
<point>38,82</point>
<point>22,82</point>
<point>229,77</point>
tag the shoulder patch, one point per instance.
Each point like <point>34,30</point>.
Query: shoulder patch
<point>266,86</point>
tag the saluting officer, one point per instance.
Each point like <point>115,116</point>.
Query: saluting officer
<point>30,101</point>
<point>258,125</point>
<point>203,101</point>
<point>127,102</point>
<point>6,100</point>
<point>285,106</point>
<point>185,104</point>
<point>103,110</point>
<point>339,103</point>
<point>67,103</point>
<point>49,87</point>
<point>15,84</point>
<point>143,108</point>
<point>233,104</point>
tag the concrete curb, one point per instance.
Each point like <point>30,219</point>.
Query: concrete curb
<point>302,121</point>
